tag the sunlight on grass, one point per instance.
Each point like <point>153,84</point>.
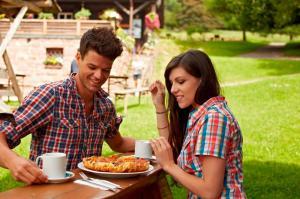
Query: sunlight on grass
<point>268,112</point>
<point>220,48</point>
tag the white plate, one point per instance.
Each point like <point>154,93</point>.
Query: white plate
<point>114,175</point>
<point>69,175</point>
<point>153,158</point>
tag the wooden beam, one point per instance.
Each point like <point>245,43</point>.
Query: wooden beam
<point>131,8</point>
<point>20,3</point>
<point>121,7</point>
<point>13,28</point>
<point>12,77</point>
<point>142,6</point>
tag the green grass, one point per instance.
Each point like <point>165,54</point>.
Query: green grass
<point>220,48</point>
<point>229,35</point>
<point>269,116</point>
<point>268,112</point>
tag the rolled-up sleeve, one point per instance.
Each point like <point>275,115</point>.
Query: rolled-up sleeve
<point>34,112</point>
<point>113,126</point>
<point>11,134</point>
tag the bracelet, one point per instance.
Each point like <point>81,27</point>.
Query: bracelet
<point>162,112</point>
<point>163,127</point>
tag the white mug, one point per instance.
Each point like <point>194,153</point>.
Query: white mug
<point>143,149</point>
<point>54,164</point>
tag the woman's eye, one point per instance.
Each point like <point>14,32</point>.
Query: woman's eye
<point>181,81</point>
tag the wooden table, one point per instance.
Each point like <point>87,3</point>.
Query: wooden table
<point>152,185</point>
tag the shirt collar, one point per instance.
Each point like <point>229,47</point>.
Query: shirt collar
<point>71,83</point>
<point>199,111</point>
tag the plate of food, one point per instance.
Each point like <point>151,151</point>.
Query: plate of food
<point>115,166</point>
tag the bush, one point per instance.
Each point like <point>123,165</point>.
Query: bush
<point>45,15</point>
<point>83,14</point>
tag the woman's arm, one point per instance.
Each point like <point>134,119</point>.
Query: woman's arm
<point>211,183</point>
<point>157,90</point>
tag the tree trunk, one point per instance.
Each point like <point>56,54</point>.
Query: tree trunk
<point>291,37</point>
<point>244,35</point>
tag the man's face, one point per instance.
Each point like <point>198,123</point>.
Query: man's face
<point>94,70</point>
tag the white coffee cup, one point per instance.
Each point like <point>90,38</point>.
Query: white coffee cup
<point>143,149</point>
<point>54,164</point>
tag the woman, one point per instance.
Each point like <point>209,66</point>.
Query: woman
<point>201,134</point>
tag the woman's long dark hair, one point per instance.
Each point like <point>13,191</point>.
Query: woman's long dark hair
<point>199,65</point>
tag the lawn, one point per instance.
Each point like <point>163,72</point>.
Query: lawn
<point>267,109</point>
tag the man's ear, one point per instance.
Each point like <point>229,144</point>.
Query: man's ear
<point>78,57</point>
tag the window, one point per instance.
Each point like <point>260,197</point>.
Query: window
<point>54,58</point>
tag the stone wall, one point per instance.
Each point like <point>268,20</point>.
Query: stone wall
<point>28,54</point>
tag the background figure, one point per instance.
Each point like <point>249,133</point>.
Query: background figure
<point>74,66</point>
<point>137,67</point>
<point>152,19</point>
<point>152,23</point>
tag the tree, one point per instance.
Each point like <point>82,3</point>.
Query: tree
<point>259,15</point>
<point>195,17</point>
<point>190,15</point>
<point>236,14</point>
<point>172,8</point>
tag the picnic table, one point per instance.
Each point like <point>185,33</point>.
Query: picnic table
<point>152,185</point>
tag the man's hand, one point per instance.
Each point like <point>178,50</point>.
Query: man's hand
<point>21,169</point>
<point>26,171</point>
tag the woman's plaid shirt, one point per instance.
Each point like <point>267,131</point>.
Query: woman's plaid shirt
<point>212,130</point>
<point>55,116</point>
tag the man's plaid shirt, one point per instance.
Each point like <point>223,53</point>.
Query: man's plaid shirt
<point>55,116</point>
<point>212,130</point>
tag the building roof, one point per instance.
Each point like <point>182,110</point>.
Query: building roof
<point>11,7</point>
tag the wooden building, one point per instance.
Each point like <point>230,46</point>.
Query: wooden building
<point>130,10</point>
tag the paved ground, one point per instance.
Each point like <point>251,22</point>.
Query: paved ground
<point>271,51</point>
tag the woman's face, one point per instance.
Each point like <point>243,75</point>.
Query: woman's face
<point>184,87</point>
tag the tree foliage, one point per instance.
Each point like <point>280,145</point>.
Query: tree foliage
<point>263,16</point>
<point>191,15</point>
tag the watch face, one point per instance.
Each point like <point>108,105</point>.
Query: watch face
<point>8,117</point>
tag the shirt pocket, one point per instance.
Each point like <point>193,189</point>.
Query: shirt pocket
<point>68,132</point>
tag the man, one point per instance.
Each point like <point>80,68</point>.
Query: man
<point>73,116</point>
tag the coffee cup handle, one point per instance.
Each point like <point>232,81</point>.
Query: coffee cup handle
<point>38,159</point>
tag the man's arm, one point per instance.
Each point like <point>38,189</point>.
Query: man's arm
<point>34,112</point>
<point>121,144</point>
<point>22,169</point>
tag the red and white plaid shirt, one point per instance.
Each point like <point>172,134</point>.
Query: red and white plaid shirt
<point>212,130</point>
<point>55,116</point>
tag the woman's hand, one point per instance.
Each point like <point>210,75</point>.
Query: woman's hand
<point>157,90</point>
<point>163,152</point>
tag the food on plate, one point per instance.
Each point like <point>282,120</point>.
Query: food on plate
<point>116,164</point>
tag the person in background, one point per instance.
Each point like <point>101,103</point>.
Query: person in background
<point>201,141</point>
<point>73,116</point>
<point>74,66</point>
<point>137,67</point>
<point>152,24</point>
